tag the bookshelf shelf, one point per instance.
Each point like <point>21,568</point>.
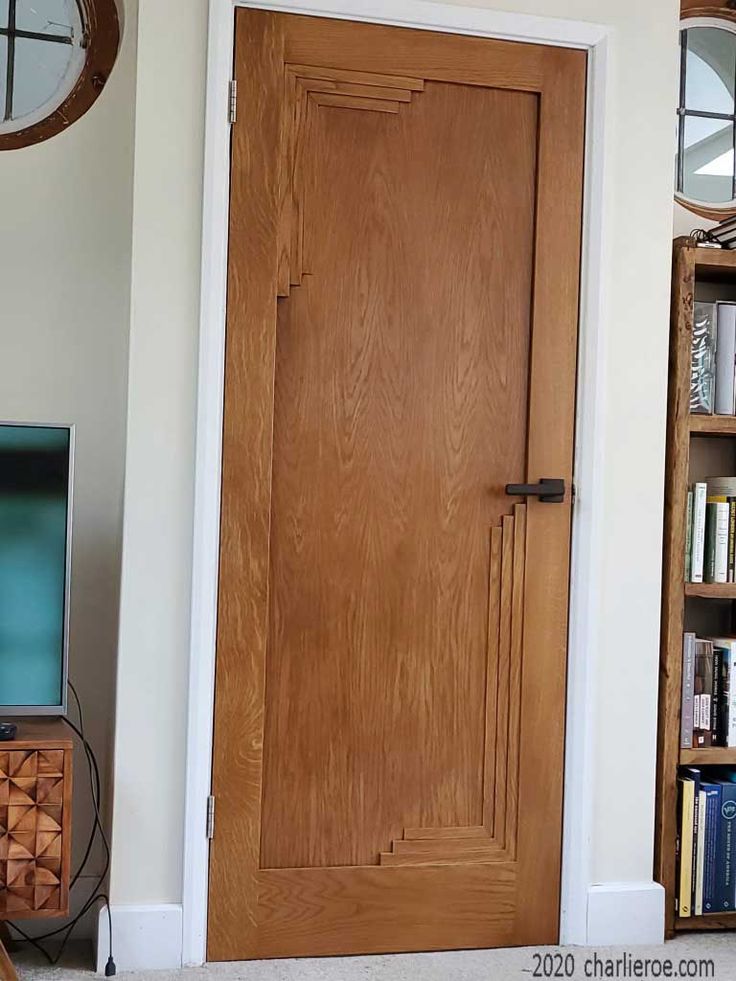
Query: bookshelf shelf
<point>714,590</point>
<point>712,921</point>
<point>713,756</point>
<point>710,274</point>
<point>712,425</point>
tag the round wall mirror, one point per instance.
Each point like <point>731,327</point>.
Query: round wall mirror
<point>55,56</point>
<point>705,171</point>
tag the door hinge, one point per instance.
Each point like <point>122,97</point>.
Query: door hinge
<point>233,101</point>
<point>210,817</point>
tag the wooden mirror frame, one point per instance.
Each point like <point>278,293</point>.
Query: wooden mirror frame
<point>102,38</point>
<point>719,10</point>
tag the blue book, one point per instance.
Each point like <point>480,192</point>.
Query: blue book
<point>727,841</point>
<point>713,793</point>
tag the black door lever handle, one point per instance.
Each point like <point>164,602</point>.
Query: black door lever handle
<point>549,490</point>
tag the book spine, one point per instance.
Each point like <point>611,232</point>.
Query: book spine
<point>686,850</point>
<point>709,545</point>
<point>732,696</point>
<point>716,539</point>
<point>689,536</point>
<point>712,811</point>
<point>695,776</point>
<point>725,358</point>
<point>716,695</point>
<point>723,515</point>
<point>726,844</point>
<point>700,492</point>
<point>687,723</point>
<point>724,702</point>
<point>732,539</point>
<point>703,692</point>
<point>700,852</point>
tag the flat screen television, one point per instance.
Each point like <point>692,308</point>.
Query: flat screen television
<point>36,466</point>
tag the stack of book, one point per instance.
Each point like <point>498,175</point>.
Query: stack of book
<point>713,359</point>
<point>725,233</point>
<point>706,844</point>
<point>708,715</point>
<point>710,538</point>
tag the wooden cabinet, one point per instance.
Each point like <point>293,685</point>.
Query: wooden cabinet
<point>35,821</point>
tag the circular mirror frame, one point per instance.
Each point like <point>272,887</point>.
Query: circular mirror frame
<point>714,9</point>
<point>102,38</point>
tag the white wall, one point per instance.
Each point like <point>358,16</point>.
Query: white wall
<point>65,230</point>
<point>154,614</point>
<point>157,539</point>
<point>685,221</point>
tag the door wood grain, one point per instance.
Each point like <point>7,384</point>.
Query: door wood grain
<point>402,324</point>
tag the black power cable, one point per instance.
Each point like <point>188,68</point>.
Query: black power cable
<point>97,828</point>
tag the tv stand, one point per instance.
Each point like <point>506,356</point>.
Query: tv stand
<point>35,825</point>
<point>7,971</point>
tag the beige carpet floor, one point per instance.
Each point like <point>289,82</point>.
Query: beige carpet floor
<point>516,964</point>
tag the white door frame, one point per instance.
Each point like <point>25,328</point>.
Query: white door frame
<point>588,512</point>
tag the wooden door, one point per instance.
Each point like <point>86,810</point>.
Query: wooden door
<point>401,338</point>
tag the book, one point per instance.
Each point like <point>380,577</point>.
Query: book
<point>717,513</point>
<point>693,773</point>
<point>724,700</point>
<point>727,708</point>
<point>731,539</point>
<point>724,229</point>
<point>718,737</point>
<point>688,682</point>
<point>700,493</point>
<point>687,807</point>
<point>712,822</point>
<point>700,853</point>
<point>725,893</point>
<point>702,358</point>
<point>689,535</point>
<point>703,694</point>
<point>721,487</point>
<point>731,694</point>
<point>724,690</point>
<point>724,402</point>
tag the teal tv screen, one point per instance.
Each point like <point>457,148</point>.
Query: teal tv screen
<point>34,499</point>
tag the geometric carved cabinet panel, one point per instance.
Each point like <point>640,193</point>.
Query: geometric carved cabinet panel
<point>35,839</point>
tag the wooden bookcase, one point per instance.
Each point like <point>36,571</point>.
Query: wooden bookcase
<point>698,446</point>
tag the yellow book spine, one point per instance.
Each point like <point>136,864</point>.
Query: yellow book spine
<point>687,816</point>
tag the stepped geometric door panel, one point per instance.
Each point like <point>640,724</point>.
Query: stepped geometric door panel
<point>402,328</point>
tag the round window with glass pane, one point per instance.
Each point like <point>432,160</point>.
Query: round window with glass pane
<point>55,57</point>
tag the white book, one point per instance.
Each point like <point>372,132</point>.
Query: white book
<point>725,403</point>
<point>698,544</point>
<point>700,854</point>
<point>731,734</point>
<point>720,542</point>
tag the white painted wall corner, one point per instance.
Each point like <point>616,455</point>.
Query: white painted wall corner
<point>144,937</point>
<point>624,913</point>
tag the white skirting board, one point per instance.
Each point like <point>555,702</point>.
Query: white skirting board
<point>150,937</point>
<point>144,937</point>
<point>623,913</point>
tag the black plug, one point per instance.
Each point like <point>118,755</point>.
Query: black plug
<point>110,969</point>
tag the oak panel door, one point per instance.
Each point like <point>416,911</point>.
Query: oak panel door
<point>401,338</point>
